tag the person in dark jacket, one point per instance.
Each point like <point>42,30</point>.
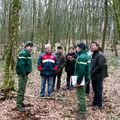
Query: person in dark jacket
<point>47,65</point>
<point>61,65</point>
<point>23,68</point>
<point>70,66</point>
<point>98,73</point>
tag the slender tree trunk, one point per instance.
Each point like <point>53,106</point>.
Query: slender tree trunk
<point>33,21</point>
<point>105,24</point>
<point>114,44</point>
<point>116,7</point>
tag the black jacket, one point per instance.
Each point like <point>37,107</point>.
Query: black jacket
<point>98,66</point>
<point>70,65</point>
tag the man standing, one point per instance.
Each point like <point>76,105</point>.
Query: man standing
<point>23,68</point>
<point>61,65</point>
<point>98,73</point>
<point>82,71</point>
<point>47,65</point>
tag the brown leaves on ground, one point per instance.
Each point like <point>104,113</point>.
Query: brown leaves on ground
<point>63,104</point>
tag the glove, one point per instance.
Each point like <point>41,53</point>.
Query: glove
<point>40,68</point>
<point>56,68</point>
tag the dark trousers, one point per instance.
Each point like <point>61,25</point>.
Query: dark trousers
<point>22,82</point>
<point>97,88</point>
<point>88,88</point>
<point>81,100</point>
<point>58,76</point>
<point>69,85</point>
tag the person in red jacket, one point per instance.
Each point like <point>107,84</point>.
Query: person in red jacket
<point>47,65</point>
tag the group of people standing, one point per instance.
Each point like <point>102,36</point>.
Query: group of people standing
<point>78,62</point>
<point>51,65</point>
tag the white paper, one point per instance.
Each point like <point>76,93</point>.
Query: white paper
<point>82,82</point>
<point>73,80</point>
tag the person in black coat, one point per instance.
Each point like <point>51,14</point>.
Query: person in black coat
<point>70,66</point>
<point>98,73</point>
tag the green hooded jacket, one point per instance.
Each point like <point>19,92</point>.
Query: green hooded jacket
<point>82,67</point>
<point>24,63</point>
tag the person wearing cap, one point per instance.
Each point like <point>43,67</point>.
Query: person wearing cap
<point>47,65</point>
<point>23,68</point>
<point>61,65</point>
<point>82,71</point>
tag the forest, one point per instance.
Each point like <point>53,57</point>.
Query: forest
<point>65,23</point>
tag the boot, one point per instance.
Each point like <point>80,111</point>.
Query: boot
<point>20,109</point>
<point>26,105</point>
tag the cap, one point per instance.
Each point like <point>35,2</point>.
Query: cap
<point>82,45</point>
<point>29,43</point>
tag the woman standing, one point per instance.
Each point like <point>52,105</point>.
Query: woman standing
<point>70,66</point>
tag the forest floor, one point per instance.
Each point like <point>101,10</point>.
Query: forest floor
<point>63,104</point>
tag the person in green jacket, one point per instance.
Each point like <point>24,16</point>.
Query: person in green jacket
<point>23,68</point>
<point>82,71</point>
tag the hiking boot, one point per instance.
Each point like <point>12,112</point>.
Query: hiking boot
<point>42,95</point>
<point>20,109</point>
<point>97,108</point>
<point>26,105</point>
<point>81,117</point>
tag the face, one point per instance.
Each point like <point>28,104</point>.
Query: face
<point>78,49</point>
<point>29,48</point>
<point>71,51</point>
<point>48,50</point>
<point>60,50</point>
<point>94,47</point>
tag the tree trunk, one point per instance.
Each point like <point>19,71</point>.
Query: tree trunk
<point>33,21</point>
<point>114,43</point>
<point>11,50</point>
<point>116,7</point>
<point>105,24</point>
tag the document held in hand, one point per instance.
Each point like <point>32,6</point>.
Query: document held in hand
<point>73,80</point>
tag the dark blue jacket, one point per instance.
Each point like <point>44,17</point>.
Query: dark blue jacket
<point>47,64</point>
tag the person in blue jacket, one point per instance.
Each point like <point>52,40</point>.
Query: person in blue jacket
<point>47,65</point>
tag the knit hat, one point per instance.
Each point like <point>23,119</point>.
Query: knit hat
<point>82,45</point>
<point>29,43</point>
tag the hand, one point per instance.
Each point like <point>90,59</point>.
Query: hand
<point>56,68</point>
<point>40,68</point>
<point>77,86</point>
<point>70,57</point>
